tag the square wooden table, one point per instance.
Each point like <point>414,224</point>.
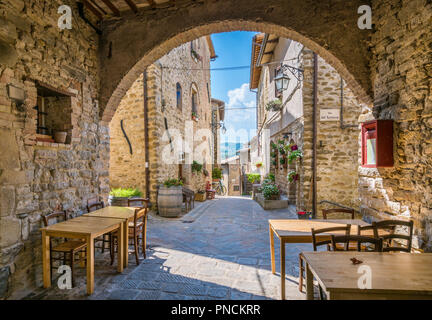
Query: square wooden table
<point>87,228</point>
<point>393,275</point>
<point>126,215</point>
<point>299,231</point>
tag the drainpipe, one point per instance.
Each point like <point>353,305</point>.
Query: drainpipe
<point>314,136</point>
<point>146,135</point>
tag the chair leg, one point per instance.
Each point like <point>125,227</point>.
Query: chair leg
<point>144,237</point>
<point>136,248</point>
<point>51,266</point>
<point>72,262</point>
<point>301,267</point>
<point>112,250</point>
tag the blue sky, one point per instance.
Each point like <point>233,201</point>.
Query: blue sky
<point>234,49</point>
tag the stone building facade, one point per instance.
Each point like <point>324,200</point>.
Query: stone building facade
<point>176,89</point>
<point>35,176</point>
<point>337,141</point>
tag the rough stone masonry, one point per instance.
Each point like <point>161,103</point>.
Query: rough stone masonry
<point>390,63</point>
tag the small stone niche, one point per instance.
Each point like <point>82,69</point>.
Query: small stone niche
<point>54,114</point>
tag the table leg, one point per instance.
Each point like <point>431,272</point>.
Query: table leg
<point>46,260</point>
<point>126,243</point>
<point>120,247</point>
<point>309,283</point>
<point>282,271</point>
<point>90,265</point>
<point>272,250</point>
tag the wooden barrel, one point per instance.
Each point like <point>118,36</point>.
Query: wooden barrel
<point>170,201</point>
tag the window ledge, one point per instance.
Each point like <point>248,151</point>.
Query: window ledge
<point>53,145</point>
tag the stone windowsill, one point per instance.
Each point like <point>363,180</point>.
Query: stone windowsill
<point>52,145</point>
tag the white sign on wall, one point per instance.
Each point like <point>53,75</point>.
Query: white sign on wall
<point>329,114</point>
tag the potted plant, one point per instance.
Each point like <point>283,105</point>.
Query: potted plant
<point>271,191</point>
<point>119,196</point>
<point>258,164</point>
<point>216,174</point>
<point>253,177</point>
<point>275,105</point>
<point>170,198</point>
<point>292,176</point>
<point>294,153</point>
<point>195,116</point>
<point>200,196</point>
<point>196,166</point>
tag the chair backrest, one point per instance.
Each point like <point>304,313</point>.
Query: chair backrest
<point>140,213</point>
<point>326,212</point>
<point>54,215</point>
<point>188,192</point>
<point>392,226</point>
<point>316,232</point>
<point>92,200</point>
<point>138,202</point>
<point>377,242</point>
<point>95,206</point>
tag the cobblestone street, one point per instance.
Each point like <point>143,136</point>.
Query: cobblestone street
<point>220,250</point>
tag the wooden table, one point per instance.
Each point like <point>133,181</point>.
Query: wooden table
<point>394,275</point>
<point>299,231</point>
<point>125,214</point>
<point>87,228</point>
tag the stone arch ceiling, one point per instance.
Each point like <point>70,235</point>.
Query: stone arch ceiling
<point>134,41</point>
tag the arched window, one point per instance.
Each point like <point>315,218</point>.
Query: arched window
<point>179,95</point>
<point>194,99</point>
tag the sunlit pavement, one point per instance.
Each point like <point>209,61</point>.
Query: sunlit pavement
<point>223,254</point>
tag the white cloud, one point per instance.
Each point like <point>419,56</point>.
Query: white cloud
<point>238,98</point>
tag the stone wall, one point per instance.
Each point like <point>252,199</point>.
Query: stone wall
<point>401,74</point>
<point>192,137</point>
<point>36,176</point>
<point>337,147</point>
<point>128,170</point>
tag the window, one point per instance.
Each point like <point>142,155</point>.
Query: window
<point>54,109</point>
<point>179,95</point>
<point>194,101</point>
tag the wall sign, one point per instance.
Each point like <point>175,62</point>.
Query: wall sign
<point>329,115</point>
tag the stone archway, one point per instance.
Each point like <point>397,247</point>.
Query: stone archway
<point>132,43</point>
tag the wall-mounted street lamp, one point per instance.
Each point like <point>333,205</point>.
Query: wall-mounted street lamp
<point>282,79</point>
<point>219,125</point>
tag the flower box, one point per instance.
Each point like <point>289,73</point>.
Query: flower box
<point>304,215</point>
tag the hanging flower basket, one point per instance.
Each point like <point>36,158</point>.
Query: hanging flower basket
<point>275,105</point>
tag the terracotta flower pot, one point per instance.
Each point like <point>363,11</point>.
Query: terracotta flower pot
<point>60,136</point>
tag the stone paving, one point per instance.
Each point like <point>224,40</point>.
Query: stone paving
<point>222,254</point>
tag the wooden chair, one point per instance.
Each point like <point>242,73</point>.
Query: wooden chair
<point>66,249</point>
<point>326,212</point>
<point>362,242</point>
<point>136,228</point>
<point>391,227</point>
<point>142,203</point>
<point>188,198</point>
<point>106,238</point>
<point>317,244</point>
